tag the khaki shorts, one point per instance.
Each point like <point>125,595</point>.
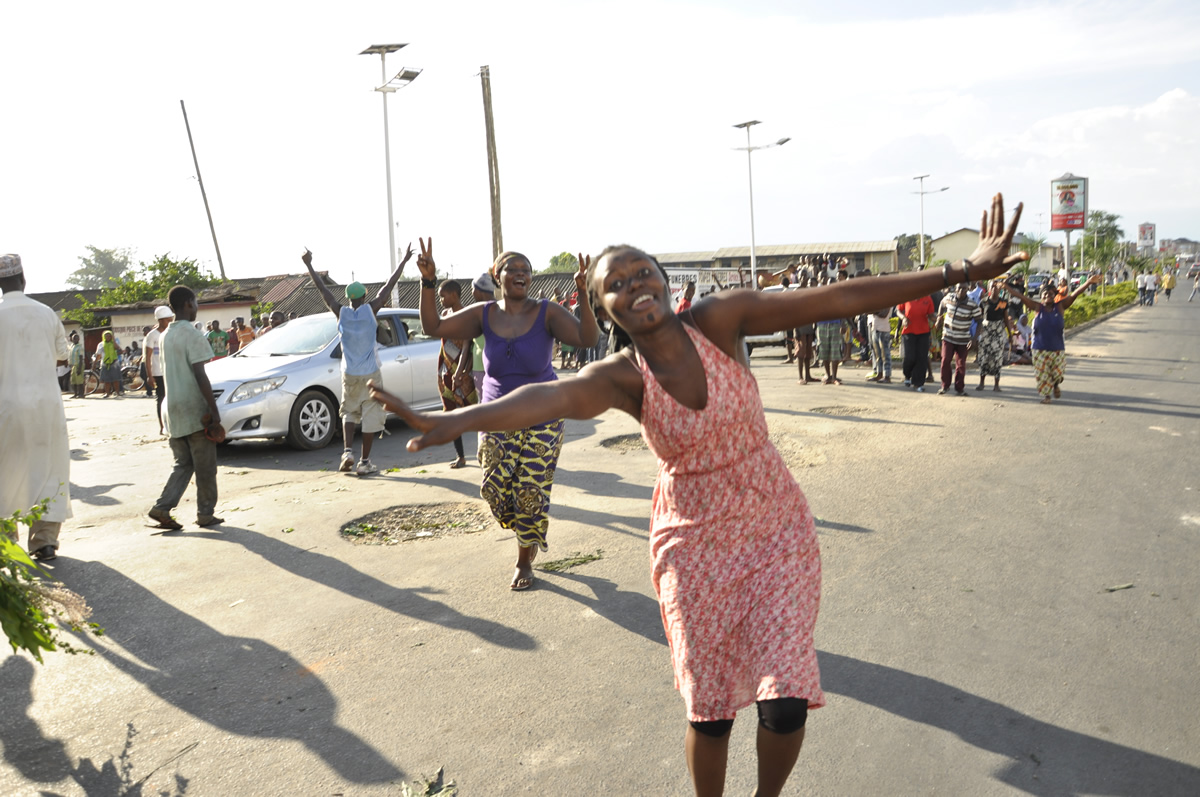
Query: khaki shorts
<point>357,404</point>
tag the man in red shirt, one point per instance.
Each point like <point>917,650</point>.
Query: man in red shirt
<point>917,317</point>
<point>689,291</point>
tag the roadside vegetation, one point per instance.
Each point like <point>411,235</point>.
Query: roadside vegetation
<point>34,608</point>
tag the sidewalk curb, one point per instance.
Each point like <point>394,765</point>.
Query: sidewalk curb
<point>1086,325</point>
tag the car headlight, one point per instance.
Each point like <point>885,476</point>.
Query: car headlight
<point>249,390</point>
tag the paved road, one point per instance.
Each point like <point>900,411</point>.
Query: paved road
<point>968,643</point>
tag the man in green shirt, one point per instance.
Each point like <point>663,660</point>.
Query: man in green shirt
<point>218,339</point>
<point>189,411</point>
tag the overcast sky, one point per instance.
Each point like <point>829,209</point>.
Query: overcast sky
<point>613,124</point>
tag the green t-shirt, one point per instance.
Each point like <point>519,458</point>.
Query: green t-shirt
<point>477,354</point>
<point>182,346</point>
<point>219,341</point>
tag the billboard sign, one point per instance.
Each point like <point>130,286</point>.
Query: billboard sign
<point>1068,203</point>
<point>1145,236</point>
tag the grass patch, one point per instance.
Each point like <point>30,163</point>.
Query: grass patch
<point>574,560</point>
<point>408,523</point>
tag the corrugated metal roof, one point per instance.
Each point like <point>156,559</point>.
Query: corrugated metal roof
<point>62,301</point>
<point>306,300</point>
<point>833,248</point>
<point>669,258</point>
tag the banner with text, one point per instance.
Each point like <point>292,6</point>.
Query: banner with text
<point>1068,203</point>
<point>1145,236</point>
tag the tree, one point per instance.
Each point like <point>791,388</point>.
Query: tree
<point>1100,240</point>
<point>560,263</point>
<point>908,249</point>
<point>1032,247</point>
<point>100,269</point>
<point>150,283</point>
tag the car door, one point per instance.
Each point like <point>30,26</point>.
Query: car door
<point>395,364</point>
<point>423,353</point>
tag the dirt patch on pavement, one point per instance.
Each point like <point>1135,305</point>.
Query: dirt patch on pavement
<point>839,410</point>
<point>624,442</point>
<point>796,455</point>
<point>407,523</point>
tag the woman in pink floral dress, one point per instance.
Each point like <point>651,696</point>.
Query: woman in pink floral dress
<point>733,549</point>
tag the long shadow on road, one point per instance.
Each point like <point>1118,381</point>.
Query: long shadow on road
<point>241,685</point>
<point>1043,759</point>
<point>37,757</point>
<point>336,574</point>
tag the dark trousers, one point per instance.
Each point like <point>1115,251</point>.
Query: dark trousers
<point>194,454</point>
<point>160,392</point>
<point>916,357</point>
<point>959,352</point>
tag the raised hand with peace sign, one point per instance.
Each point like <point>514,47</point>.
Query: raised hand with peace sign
<point>425,259</point>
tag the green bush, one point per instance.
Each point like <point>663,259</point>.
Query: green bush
<point>1091,306</point>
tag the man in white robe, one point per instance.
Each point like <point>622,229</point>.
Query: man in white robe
<point>35,456</point>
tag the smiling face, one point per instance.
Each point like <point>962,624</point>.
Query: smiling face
<point>631,290</point>
<point>515,275</point>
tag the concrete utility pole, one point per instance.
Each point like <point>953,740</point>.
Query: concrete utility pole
<point>203,195</point>
<point>485,77</point>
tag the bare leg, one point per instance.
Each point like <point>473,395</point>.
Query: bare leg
<point>777,753</point>
<point>368,439</point>
<point>348,435</point>
<point>834,377</point>
<point>523,578</point>
<point>706,759</point>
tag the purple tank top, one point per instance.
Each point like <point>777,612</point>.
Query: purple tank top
<point>509,363</point>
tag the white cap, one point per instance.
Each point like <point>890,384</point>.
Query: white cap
<point>10,265</point>
<point>162,311</point>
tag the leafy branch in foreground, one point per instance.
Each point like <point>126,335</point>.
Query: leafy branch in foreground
<point>34,608</point>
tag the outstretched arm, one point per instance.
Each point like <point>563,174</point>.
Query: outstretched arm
<point>466,323</point>
<point>1023,299</point>
<point>381,298</point>
<point>331,301</point>
<point>761,314</point>
<point>598,387</point>
<point>1083,286</point>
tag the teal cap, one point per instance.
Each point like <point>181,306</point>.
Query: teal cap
<point>356,290</point>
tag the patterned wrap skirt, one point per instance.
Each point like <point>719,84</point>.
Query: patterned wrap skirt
<point>518,472</point>
<point>1049,367</point>
<point>991,348</point>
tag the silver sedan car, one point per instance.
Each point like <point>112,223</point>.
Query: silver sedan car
<point>288,383</point>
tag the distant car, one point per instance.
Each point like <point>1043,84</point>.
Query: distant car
<point>1193,271</point>
<point>287,384</point>
<point>1033,285</point>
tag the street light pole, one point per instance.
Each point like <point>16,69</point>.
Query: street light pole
<point>750,172</point>
<point>923,192</point>
<point>402,79</point>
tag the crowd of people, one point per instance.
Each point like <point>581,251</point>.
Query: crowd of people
<point>987,317</point>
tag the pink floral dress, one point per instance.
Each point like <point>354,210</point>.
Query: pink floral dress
<point>734,552</point>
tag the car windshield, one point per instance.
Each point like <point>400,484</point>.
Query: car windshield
<point>306,335</point>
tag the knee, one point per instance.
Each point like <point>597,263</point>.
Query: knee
<point>714,729</point>
<point>783,715</point>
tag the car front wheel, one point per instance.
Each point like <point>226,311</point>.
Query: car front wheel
<point>313,421</point>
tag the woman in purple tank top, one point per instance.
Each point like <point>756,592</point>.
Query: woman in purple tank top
<point>519,333</point>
